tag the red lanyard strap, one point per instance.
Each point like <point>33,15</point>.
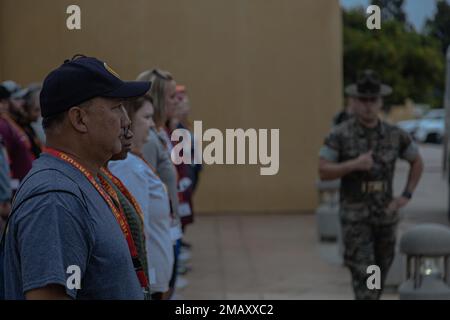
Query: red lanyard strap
<point>124,191</point>
<point>118,212</point>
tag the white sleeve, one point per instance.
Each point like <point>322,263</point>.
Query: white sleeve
<point>134,181</point>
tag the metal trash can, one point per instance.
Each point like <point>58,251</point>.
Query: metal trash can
<point>427,248</point>
<point>327,214</point>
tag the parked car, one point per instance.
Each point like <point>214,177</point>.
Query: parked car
<point>409,126</point>
<point>430,128</point>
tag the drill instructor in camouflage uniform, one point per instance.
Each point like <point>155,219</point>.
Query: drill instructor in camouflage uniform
<point>362,152</point>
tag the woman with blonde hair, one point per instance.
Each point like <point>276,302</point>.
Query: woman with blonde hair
<point>159,146</point>
<point>157,150</point>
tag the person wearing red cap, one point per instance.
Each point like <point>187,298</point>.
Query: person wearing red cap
<point>189,173</point>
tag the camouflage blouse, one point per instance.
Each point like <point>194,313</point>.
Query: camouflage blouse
<point>371,189</point>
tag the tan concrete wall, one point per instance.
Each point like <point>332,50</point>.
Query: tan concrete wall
<point>401,112</point>
<point>247,63</point>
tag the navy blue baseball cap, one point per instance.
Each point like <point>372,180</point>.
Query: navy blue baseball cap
<point>81,79</point>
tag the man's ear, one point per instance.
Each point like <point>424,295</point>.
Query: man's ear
<point>78,119</point>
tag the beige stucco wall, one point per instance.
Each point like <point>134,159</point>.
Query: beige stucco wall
<point>247,64</point>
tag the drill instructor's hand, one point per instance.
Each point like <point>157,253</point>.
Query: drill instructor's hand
<point>397,204</point>
<point>364,162</point>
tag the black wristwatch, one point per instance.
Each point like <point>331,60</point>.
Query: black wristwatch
<point>407,195</point>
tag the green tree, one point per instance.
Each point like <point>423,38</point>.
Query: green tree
<point>412,63</point>
<point>391,10</point>
<point>439,25</point>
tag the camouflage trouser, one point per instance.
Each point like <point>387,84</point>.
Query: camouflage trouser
<point>367,244</point>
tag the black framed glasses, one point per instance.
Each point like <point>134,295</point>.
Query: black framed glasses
<point>126,131</point>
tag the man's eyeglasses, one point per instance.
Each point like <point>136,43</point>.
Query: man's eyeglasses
<point>126,132</point>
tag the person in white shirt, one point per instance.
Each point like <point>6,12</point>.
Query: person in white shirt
<point>150,192</point>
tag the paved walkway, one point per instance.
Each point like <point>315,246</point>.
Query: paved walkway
<point>279,256</point>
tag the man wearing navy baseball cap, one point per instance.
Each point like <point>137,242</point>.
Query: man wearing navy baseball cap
<point>67,236</point>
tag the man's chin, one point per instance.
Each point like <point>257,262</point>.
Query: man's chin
<point>370,118</point>
<point>117,149</point>
<point>120,156</point>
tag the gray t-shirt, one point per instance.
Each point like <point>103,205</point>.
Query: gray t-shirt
<point>59,221</point>
<point>156,154</point>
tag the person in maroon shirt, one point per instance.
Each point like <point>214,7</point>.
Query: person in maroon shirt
<point>5,180</point>
<point>15,139</point>
<point>32,112</point>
